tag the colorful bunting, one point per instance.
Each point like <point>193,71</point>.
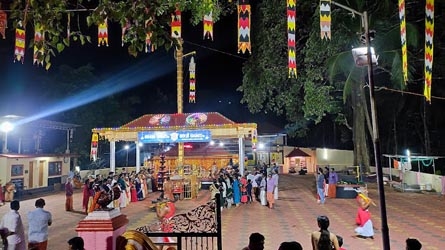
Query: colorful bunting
<point>208,26</point>
<point>39,36</point>
<point>94,146</point>
<point>244,26</point>
<point>20,43</point>
<point>403,40</point>
<point>192,70</point>
<point>102,33</point>
<point>291,13</point>
<point>3,23</point>
<point>429,47</point>
<point>176,24</point>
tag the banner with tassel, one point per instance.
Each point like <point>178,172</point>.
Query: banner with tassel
<point>403,40</point>
<point>20,43</point>
<point>192,79</point>
<point>291,46</point>
<point>208,26</point>
<point>176,24</point>
<point>325,19</point>
<point>102,33</point>
<point>244,26</point>
<point>3,23</point>
<point>429,47</point>
<point>39,37</point>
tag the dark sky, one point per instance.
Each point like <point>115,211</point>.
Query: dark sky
<point>218,74</point>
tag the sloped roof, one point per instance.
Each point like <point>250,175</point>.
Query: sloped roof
<point>179,120</point>
<point>297,153</point>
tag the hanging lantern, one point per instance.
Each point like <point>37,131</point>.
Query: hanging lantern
<point>244,26</point>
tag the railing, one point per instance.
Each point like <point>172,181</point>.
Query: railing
<point>197,229</point>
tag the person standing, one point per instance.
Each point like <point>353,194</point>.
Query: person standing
<point>270,188</point>
<point>69,194</point>
<point>320,186</point>
<point>256,242</point>
<point>38,220</point>
<point>275,177</point>
<point>12,221</point>
<point>263,185</point>
<point>333,179</point>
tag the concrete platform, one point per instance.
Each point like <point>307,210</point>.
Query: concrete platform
<point>417,215</point>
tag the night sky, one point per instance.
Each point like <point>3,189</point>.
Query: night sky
<point>218,73</point>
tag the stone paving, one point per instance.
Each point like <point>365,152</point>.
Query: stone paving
<point>419,215</point>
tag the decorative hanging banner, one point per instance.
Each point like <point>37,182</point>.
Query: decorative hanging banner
<point>208,26</point>
<point>102,33</point>
<point>176,24</point>
<point>429,47</point>
<point>192,70</point>
<point>20,43</point>
<point>244,26</point>
<point>403,40</point>
<point>291,46</point>
<point>3,23</point>
<point>39,36</point>
<point>325,19</point>
<point>254,138</point>
<point>94,146</point>
<point>149,45</point>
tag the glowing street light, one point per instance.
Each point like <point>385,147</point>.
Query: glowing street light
<point>6,127</point>
<point>127,147</point>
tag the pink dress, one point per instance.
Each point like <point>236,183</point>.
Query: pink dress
<point>244,197</point>
<point>134,195</point>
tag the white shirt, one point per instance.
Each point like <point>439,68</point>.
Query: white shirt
<point>13,222</point>
<point>38,220</point>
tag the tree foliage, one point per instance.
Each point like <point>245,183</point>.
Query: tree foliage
<point>64,21</point>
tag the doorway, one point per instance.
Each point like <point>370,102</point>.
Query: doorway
<point>31,175</point>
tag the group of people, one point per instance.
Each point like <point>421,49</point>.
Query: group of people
<point>132,187</point>
<point>327,180</point>
<point>235,189</point>
<point>13,231</point>
<point>321,239</point>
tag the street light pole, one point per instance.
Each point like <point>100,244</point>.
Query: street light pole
<point>375,131</point>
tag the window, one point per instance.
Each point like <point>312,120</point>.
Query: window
<point>16,170</point>
<point>54,168</point>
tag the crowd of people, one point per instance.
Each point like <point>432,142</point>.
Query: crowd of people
<point>260,185</point>
<point>132,187</point>
<point>13,231</point>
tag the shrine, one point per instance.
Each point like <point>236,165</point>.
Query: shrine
<point>178,129</point>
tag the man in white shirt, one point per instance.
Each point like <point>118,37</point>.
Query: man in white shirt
<point>15,232</point>
<point>39,220</point>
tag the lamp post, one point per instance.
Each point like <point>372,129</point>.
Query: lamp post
<point>370,58</point>
<point>127,147</point>
<point>6,127</point>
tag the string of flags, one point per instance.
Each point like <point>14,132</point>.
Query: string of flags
<point>325,33</point>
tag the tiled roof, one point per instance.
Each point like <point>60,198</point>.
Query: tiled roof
<point>297,153</point>
<point>179,120</point>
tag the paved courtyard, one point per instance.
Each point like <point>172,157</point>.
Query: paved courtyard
<point>419,215</point>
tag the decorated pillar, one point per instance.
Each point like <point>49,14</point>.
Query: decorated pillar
<point>112,156</point>
<point>138,157</point>
<point>241,154</point>
<point>100,229</point>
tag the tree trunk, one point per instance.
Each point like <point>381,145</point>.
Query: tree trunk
<point>361,148</point>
